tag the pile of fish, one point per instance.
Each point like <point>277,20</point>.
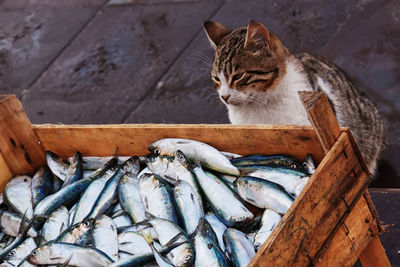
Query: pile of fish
<point>183,204</point>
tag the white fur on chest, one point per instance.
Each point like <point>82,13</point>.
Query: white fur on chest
<point>281,105</point>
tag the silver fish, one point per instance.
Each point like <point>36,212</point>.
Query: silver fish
<point>105,236</point>
<point>18,195</point>
<point>129,198</point>
<point>222,200</point>
<point>291,180</point>
<point>270,220</point>
<point>208,252</point>
<point>167,231</point>
<point>156,196</point>
<point>218,227</point>
<point>122,221</point>
<point>56,165</point>
<point>133,243</point>
<point>75,170</point>
<point>78,233</point>
<point>263,194</point>
<point>208,155</point>
<point>174,169</point>
<point>309,164</point>
<point>18,254</point>
<point>42,185</point>
<point>189,206</point>
<point>70,254</point>
<point>55,224</point>
<point>110,190</point>
<point>89,197</point>
<point>10,224</point>
<point>240,249</point>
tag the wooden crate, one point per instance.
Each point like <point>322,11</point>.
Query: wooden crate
<point>332,222</point>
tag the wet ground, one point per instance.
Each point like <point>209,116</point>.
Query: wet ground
<point>147,61</point>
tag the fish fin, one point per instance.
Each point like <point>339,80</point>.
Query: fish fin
<point>147,238</point>
<point>116,153</point>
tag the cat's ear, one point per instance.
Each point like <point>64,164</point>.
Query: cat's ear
<point>215,32</point>
<point>258,36</point>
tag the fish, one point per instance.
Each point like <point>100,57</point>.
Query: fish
<point>78,233</point>
<point>18,254</point>
<point>206,154</point>
<point>263,194</point>
<point>278,160</point>
<point>238,247</point>
<point>54,253</point>
<point>218,227</point>
<point>57,222</point>
<point>105,237</point>
<point>173,169</point>
<point>157,198</point>
<point>18,195</point>
<point>41,185</point>
<point>68,193</point>
<point>222,200</point>
<point>270,220</point>
<point>110,190</point>
<point>189,206</point>
<point>129,197</point>
<point>75,170</point>
<point>56,165</point>
<point>168,232</point>
<point>207,250</point>
<point>292,181</point>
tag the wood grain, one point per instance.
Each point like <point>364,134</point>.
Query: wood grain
<point>374,254</point>
<point>18,143</point>
<point>102,140</point>
<point>352,237</point>
<point>321,116</point>
<point>317,211</point>
<point>5,173</point>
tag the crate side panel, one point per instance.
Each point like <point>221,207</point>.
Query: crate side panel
<point>318,210</point>
<point>352,237</point>
<point>18,143</point>
<point>102,140</point>
<point>5,173</point>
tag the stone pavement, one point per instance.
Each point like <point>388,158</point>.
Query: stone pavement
<point>147,61</point>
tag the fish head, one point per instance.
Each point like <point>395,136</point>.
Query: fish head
<point>40,254</point>
<point>166,146</point>
<point>87,224</point>
<point>132,165</point>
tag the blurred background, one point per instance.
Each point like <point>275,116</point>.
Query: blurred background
<point>120,61</point>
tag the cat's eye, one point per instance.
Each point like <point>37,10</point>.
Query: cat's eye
<point>216,81</point>
<point>237,77</point>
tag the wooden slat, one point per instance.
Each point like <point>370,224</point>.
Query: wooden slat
<point>374,254</point>
<point>18,143</point>
<point>318,210</point>
<point>321,116</point>
<point>101,140</point>
<point>352,237</point>
<point>5,173</point>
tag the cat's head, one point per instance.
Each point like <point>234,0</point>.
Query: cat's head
<point>248,61</point>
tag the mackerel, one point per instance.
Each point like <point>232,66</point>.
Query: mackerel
<point>263,194</point>
<point>239,248</point>
<point>270,220</point>
<point>18,195</point>
<point>206,154</point>
<point>105,236</point>
<point>41,185</point>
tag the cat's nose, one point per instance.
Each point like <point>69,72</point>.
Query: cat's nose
<point>225,98</point>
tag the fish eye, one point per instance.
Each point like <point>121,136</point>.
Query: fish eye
<point>34,252</point>
<point>181,157</point>
<point>86,223</point>
<point>157,151</point>
<point>12,253</point>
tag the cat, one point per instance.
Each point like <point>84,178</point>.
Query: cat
<point>257,78</point>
